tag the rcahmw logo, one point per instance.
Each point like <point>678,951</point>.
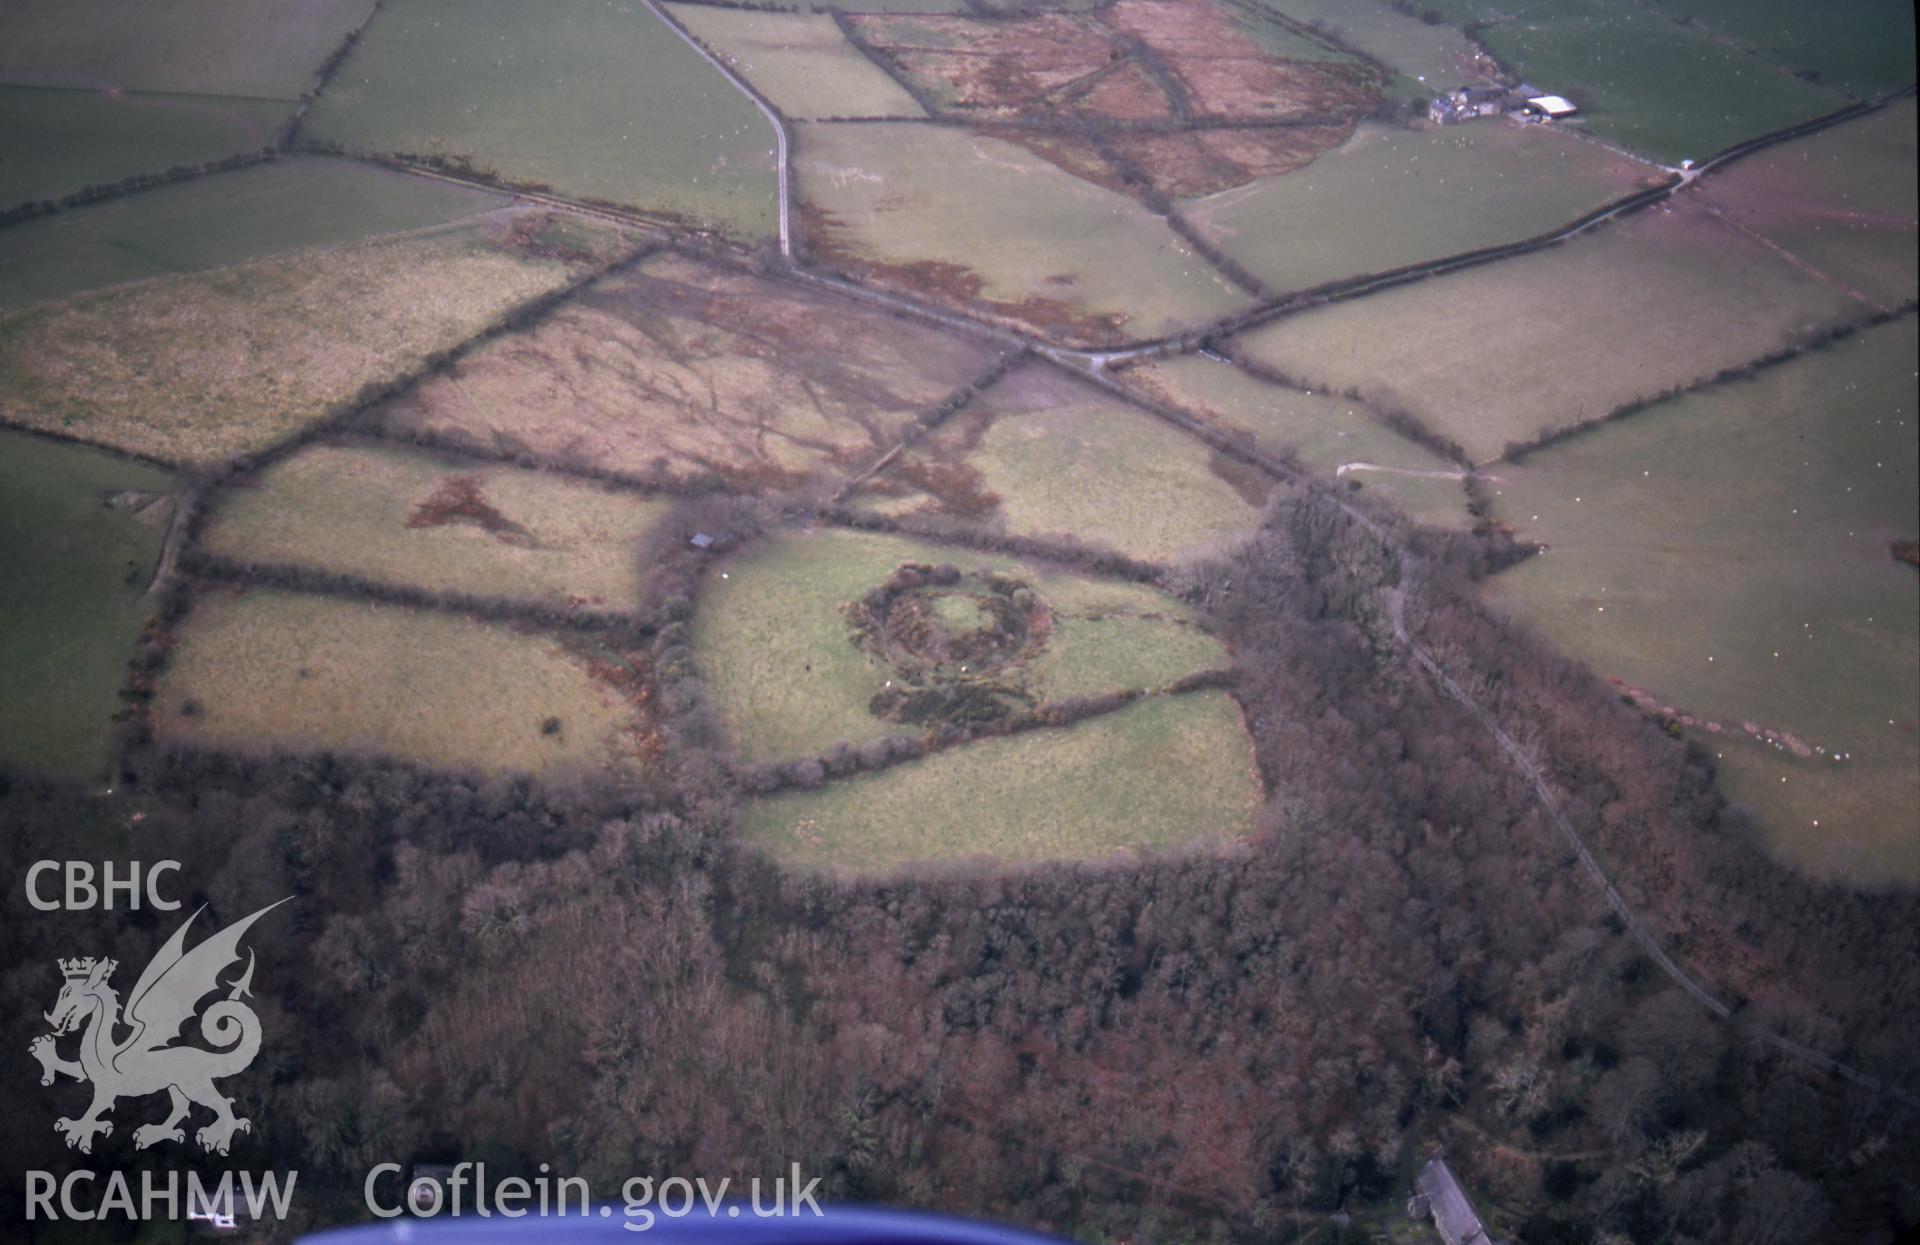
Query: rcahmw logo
<point>134,1054</point>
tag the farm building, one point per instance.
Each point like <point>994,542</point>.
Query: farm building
<point>1467,103</point>
<point>1521,103</point>
<point>1452,1210</point>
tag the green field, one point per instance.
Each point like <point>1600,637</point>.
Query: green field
<point>272,669</point>
<point>60,141</point>
<point>988,226</point>
<point>1649,83</point>
<point>76,572</point>
<point>1165,771</point>
<point>212,222</point>
<point>1329,434</point>
<point>799,61</point>
<point>1433,58</point>
<point>597,99</point>
<point>688,369</point>
<point>442,524</point>
<point>1390,197</point>
<point>1561,336</point>
<point>1843,200</point>
<point>1728,554</point>
<point>1862,47</point>
<point>202,365</point>
<point>1138,484</point>
<point>261,49</point>
<point>773,643</point>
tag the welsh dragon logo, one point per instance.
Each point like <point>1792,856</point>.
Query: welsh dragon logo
<point>144,1061</point>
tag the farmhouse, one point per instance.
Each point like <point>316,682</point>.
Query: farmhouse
<point>1520,103</point>
<point>1452,1212</point>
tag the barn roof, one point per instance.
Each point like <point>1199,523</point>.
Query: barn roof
<point>1452,1212</point>
<point>1554,105</point>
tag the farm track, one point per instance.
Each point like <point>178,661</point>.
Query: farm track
<point>1517,756</point>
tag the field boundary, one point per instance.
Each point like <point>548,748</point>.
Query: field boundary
<point>33,209</point>
<point>316,581</point>
<point>1519,451</point>
<point>932,418</point>
<point>766,778</point>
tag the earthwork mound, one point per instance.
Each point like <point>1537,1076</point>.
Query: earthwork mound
<point>957,643</point>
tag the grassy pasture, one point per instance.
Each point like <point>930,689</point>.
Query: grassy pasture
<point>1432,57</point>
<point>1390,197</point>
<point>1325,431</point>
<point>987,226</point>
<point>1042,454</point>
<point>1862,47</point>
<point>700,369</point>
<point>1561,336</point>
<point>771,641</point>
<point>76,572</point>
<point>597,99</point>
<point>57,141</point>
<point>799,61</point>
<point>308,673</point>
<point>211,222</point>
<point>443,524</point>
<point>1843,200</point>
<point>1644,81</point>
<point>250,48</point>
<point>202,365</point>
<point>1728,553</point>
<point>1161,772</point>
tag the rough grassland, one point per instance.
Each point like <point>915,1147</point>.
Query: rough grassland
<point>1042,454</point>
<point>1843,200</point>
<point>987,226</point>
<point>1326,432</point>
<point>262,48</point>
<point>76,574</point>
<point>1729,554</point>
<point>1435,57</point>
<point>200,366</point>
<point>1159,773</point>
<point>1863,47</point>
<point>597,99</point>
<point>1648,83</point>
<point>690,369</point>
<point>799,61</point>
<point>1391,197</point>
<point>211,222</point>
<point>442,524</point>
<point>772,643</point>
<point>271,669</point>
<point>60,141</point>
<point>1499,353</point>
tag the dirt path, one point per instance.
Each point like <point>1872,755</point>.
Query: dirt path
<point>171,544</point>
<point>1818,274</point>
<point>1416,472</point>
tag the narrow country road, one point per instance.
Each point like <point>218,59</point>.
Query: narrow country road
<point>766,110</point>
